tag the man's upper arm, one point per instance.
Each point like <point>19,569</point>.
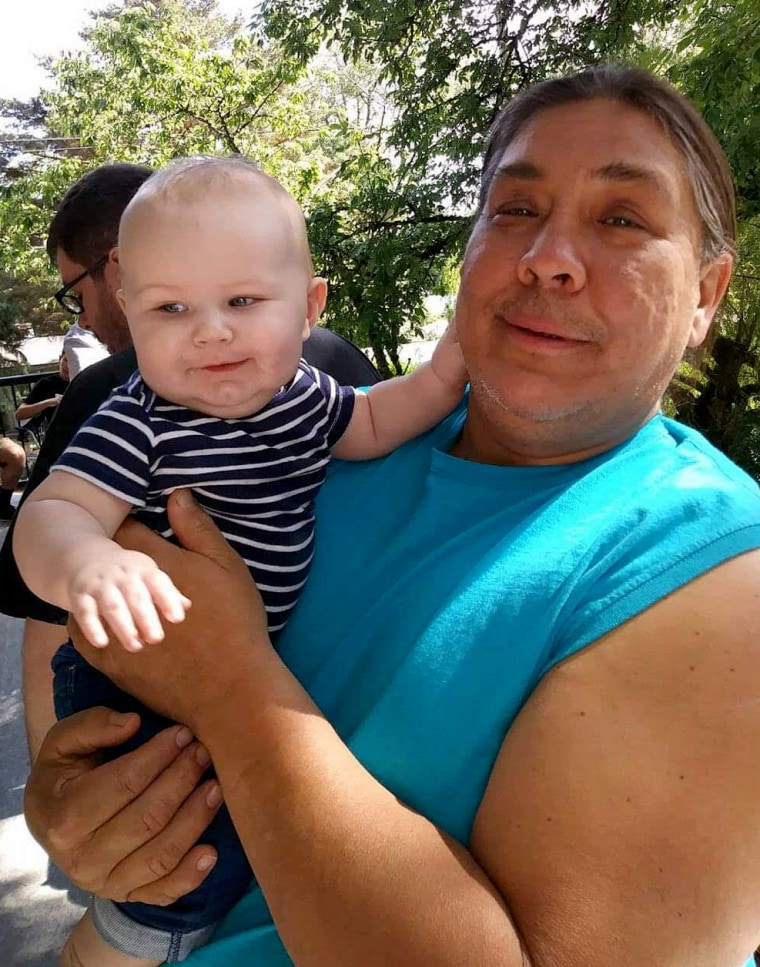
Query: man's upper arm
<point>79,402</point>
<point>621,818</point>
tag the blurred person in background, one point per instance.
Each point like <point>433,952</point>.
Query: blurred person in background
<point>38,409</point>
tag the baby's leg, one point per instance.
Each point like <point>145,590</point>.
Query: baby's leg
<point>86,948</point>
<point>166,933</point>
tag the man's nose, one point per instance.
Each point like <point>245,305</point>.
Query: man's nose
<point>553,259</point>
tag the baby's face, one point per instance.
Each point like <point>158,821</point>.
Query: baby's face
<point>218,298</point>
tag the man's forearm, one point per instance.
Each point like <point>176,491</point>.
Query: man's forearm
<point>350,874</point>
<point>41,641</point>
<point>28,411</point>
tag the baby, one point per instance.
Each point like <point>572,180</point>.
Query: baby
<point>219,292</point>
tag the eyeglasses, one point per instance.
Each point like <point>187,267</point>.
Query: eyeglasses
<point>69,300</point>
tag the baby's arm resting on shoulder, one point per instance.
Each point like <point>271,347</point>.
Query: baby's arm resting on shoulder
<point>65,553</point>
<point>400,409</point>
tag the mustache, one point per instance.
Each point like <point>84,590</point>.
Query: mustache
<point>574,325</point>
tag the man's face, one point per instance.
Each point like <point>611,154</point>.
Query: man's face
<point>582,283</point>
<point>102,314</point>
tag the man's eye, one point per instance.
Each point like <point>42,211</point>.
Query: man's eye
<point>514,211</point>
<point>620,221</point>
<point>241,301</point>
<point>171,307</point>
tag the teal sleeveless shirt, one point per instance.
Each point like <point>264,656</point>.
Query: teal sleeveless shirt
<point>442,591</point>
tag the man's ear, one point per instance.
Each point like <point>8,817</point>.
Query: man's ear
<point>316,297</point>
<point>113,269</point>
<point>713,283</point>
<point>121,300</point>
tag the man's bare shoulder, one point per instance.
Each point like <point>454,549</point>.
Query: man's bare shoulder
<point>623,804</point>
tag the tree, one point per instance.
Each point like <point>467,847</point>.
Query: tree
<point>159,79</point>
<point>448,67</point>
<point>373,114</point>
<point>152,85</point>
<point>718,389</point>
<point>716,62</point>
<point>402,216</point>
<point>20,312</point>
<point>26,149</point>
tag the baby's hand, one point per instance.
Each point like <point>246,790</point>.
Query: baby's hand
<point>447,361</point>
<point>127,591</point>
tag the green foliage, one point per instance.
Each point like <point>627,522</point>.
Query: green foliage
<point>448,67</point>
<point>375,115</point>
<point>383,247</point>
<point>444,69</point>
<point>720,395</point>
<point>717,64</point>
<point>160,79</point>
<point>20,312</point>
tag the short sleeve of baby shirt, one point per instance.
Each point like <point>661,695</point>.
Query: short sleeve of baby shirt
<point>113,449</point>
<point>339,402</point>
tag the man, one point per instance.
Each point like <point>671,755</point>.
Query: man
<point>523,732</point>
<point>12,463</point>
<point>82,244</point>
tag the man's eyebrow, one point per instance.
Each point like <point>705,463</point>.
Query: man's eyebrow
<point>519,169</point>
<point>623,171</point>
<point>615,171</point>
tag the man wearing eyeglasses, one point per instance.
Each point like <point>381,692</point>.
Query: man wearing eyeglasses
<point>82,244</point>
<point>99,325</point>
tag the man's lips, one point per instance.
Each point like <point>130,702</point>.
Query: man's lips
<point>545,330</point>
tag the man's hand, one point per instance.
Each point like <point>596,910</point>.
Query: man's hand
<point>125,829</point>
<point>128,591</point>
<point>223,637</point>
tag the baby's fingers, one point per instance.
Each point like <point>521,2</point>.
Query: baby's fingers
<point>85,609</point>
<point>115,609</point>
<point>139,599</point>
<point>167,597</point>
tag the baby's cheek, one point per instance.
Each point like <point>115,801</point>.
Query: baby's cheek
<point>163,370</point>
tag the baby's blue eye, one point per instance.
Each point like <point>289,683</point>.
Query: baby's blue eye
<point>172,307</point>
<point>241,301</point>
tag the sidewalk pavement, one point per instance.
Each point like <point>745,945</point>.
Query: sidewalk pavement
<point>38,906</point>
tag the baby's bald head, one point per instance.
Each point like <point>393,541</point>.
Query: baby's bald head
<point>192,183</point>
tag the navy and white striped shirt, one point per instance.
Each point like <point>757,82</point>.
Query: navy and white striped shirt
<point>257,476</point>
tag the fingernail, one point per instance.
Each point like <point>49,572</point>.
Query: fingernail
<point>184,497</point>
<point>120,719</point>
<point>205,863</point>
<point>184,736</point>
<point>214,795</point>
<point>201,754</point>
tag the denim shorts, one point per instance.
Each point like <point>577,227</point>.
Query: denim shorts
<point>138,928</point>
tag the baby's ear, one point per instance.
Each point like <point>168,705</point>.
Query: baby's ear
<point>316,296</point>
